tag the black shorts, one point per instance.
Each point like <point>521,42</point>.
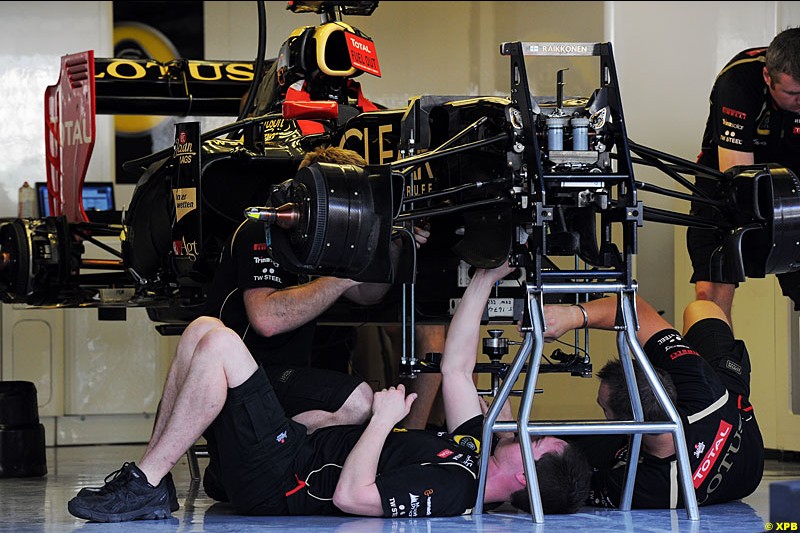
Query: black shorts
<point>701,242</point>
<point>255,444</point>
<point>714,341</point>
<point>292,390</point>
<point>790,286</point>
<point>301,389</point>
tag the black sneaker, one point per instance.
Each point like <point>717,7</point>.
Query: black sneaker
<point>173,496</point>
<point>126,496</point>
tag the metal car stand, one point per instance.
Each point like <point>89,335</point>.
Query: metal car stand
<point>531,352</point>
<point>586,185</point>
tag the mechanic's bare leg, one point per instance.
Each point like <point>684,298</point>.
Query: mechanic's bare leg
<point>426,386</point>
<point>355,410</point>
<point>220,361</point>
<point>179,369</point>
<point>719,293</point>
<point>428,338</point>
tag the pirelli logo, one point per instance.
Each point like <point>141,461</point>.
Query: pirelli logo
<point>735,113</point>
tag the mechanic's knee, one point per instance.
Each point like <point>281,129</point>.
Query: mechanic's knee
<point>719,293</point>
<point>193,334</point>
<point>358,406</point>
<point>201,325</point>
<point>701,309</point>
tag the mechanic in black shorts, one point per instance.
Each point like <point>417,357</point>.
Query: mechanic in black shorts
<point>706,372</point>
<point>272,466</point>
<point>754,117</point>
<point>274,311</point>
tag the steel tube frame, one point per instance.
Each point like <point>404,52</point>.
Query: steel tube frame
<point>531,350</point>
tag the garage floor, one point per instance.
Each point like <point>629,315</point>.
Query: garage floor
<point>40,505</point>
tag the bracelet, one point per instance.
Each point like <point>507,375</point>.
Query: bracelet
<point>585,315</point>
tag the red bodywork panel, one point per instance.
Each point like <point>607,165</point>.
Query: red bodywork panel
<point>69,115</point>
<point>315,110</point>
<point>87,86</point>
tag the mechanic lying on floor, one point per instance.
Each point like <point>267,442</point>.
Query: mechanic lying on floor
<point>706,372</point>
<point>371,470</point>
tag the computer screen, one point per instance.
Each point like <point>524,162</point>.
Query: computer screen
<point>97,196</point>
<point>42,199</point>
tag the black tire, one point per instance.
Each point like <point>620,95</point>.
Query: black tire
<point>22,451</point>
<point>18,404</point>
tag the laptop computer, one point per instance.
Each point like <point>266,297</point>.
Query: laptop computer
<point>98,201</point>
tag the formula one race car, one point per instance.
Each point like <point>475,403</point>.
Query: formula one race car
<point>528,177</point>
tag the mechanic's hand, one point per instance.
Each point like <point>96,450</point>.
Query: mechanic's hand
<point>421,235</point>
<point>505,412</point>
<point>497,273</point>
<point>559,319</point>
<point>392,404</point>
<point>505,415</point>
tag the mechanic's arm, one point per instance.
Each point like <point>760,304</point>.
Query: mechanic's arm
<point>731,158</point>
<point>356,491</point>
<point>460,396</point>
<point>505,415</point>
<point>601,314</point>
<point>372,293</point>
<point>274,311</point>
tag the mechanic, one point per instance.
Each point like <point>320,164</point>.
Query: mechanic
<point>287,81</point>
<point>754,117</point>
<point>273,466</point>
<point>275,312</point>
<point>706,373</point>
